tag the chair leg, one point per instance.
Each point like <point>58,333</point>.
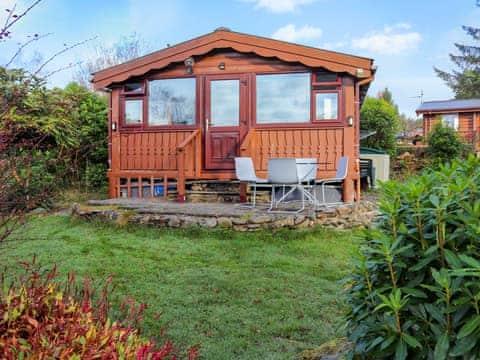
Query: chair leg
<point>272,199</point>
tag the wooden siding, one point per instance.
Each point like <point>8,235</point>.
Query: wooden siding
<point>177,154</point>
<point>468,125</point>
<point>152,151</point>
<point>324,144</point>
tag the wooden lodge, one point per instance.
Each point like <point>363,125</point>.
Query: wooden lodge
<point>463,115</point>
<point>183,113</point>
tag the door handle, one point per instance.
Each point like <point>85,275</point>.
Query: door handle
<point>207,123</point>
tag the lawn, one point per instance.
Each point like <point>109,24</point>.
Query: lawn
<point>266,295</point>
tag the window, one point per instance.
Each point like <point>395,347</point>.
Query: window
<point>133,112</point>
<point>283,98</point>
<point>325,77</point>
<point>450,120</point>
<point>326,106</point>
<point>133,88</point>
<point>171,102</point>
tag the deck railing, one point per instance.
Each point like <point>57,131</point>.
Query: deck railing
<point>247,147</point>
<point>189,160</point>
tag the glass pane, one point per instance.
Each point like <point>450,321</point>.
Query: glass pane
<point>325,77</point>
<point>133,87</point>
<point>450,120</point>
<point>224,102</point>
<point>133,112</point>
<point>283,98</point>
<point>327,106</point>
<point>171,102</point>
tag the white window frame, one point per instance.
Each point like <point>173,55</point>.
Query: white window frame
<point>450,120</point>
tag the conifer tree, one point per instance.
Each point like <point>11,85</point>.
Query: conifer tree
<point>465,81</point>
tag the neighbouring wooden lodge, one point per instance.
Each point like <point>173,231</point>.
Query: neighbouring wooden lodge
<point>183,113</point>
<point>463,115</point>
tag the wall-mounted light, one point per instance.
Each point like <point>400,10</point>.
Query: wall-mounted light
<point>189,64</point>
<point>114,126</point>
<point>221,66</point>
<point>359,72</point>
<point>350,121</point>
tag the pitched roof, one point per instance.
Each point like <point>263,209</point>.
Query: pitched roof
<point>449,105</point>
<point>245,43</point>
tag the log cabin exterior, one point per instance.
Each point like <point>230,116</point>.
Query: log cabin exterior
<point>184,112</point>
<point>461,115</point>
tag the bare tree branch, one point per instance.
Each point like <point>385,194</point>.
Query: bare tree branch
<point>64,50</point>
<point>63,68</point>
<point>13,18</point>
<point>36,37</point>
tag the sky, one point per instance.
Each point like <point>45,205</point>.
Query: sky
<point>406,38</point>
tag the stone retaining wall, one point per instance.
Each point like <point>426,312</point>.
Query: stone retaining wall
<point>342,217</point>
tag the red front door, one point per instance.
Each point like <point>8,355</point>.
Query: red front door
<point>225,119</point>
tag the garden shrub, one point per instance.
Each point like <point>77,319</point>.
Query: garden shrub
<point>380,116</point>
<point>414,291</point>
<point>40,319</point>
<point>47,139</point>
<point>444,144</point>
<point>95,175</point>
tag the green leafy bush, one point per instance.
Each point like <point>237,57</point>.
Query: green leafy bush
<point>90,118</point>
<point>95,175</point>
<point>414,291</point>
<point>40,319</point>
<point>444,144</point>
<point>380,116</point>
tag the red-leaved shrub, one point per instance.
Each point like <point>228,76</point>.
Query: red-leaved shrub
<point>41,319</point>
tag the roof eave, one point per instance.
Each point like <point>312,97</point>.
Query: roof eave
<point>240,42</point>
<point>433,111</point>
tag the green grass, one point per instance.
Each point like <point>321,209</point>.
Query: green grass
<point>266,295</point>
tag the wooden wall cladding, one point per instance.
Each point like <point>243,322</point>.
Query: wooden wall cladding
<point>150,150</point>
<point>324,144</point>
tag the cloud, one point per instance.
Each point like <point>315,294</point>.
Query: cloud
<point>280,6</point>
<point>291,33</point>
<point>393,40</point>
<point>333,46</point>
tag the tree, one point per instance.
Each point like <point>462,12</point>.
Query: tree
<point>380,116</point>
<point>465,82</point>
<point>387,95</point>
<point>127,48</point>
<point>36,65</point>
<point>404,122</point>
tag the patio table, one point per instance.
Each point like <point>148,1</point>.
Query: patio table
<point>303,179</point>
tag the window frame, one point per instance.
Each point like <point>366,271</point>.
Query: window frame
<point>328,122</point>
<point>456,122</point>
<point>144,125</point>
<point>315,87</point>
<point>147,125</point>
<point>315,83</point>
<point>305,124</point>
<point>133,93</point>
<point>123,99</point>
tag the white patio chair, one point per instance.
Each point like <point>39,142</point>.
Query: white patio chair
<point>307,173</point>
<point>341,174</point>
<point>245,172</point>
<point>284,173</point>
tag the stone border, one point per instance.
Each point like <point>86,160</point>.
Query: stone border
<point>349,216</point>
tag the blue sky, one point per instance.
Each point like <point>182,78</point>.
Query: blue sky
<point>406,38</point>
